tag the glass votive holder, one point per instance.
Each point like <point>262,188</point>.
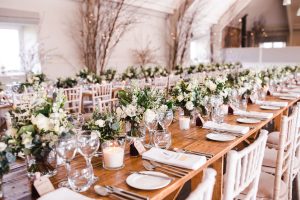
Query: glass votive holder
<point>113,152</point>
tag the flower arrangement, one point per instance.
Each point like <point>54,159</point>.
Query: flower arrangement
<point>216,86</point>
<point>134,102</point>
<point>89,77</point>
<point>32,80</point>
<point>178,70</point>
<point>34,131</point>
<point>109,75</point>
<point>131,73</point>
<point>6,157</point>
<point>151,72</point>
<point>187,95</point>
<point>66,83</point>
<point>107,124</point>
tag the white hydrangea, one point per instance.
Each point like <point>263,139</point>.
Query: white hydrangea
<point>189,105</point>
<point>100,123</point>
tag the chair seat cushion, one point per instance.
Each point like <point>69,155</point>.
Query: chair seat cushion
<point>266,187</point>
<point>269,161</point>
<point>273,138</point>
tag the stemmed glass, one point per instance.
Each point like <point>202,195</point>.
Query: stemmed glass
<point>88,144</point>
<point>151,121</point>
<point>165,119</point>
<point>77,120</point>
<point>207,106</point>
<point>66,149</point>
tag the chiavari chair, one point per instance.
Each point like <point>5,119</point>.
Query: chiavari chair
<point>74,99</point>
<point>99,92</point>
<point>160,83</point>
<point>204,190</point>
<point>243,170</point>
<point>108,105</point>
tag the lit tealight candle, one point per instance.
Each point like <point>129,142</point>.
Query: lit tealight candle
<point>184,123</point>
<point>113,157</point>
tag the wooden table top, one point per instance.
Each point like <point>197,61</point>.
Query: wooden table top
<point>193,139</point>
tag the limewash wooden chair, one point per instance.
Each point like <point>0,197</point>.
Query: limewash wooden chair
<point>74,99</point>
<point>205,189</point>
<point>109,105</point>
<point>243,170</point>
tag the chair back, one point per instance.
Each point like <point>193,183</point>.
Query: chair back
<point>108,105</point>
<point>204,190</point>
<point>297,134</point>
<point>24,100</point>
<point>285,152</point>
<point>243,169</point>
<point>74,99</point>
<point>101,92</point>
<point>173,79</point>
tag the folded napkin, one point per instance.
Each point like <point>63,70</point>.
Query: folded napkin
<point>295,90</point>
<point>258,115</point>
<point>272,103</point>
<point>63,194</point>
<point>279,94</point>
<point>226,127</point>
<point>188,161</point>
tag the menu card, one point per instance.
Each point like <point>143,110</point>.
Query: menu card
<point>64,194</point>
<point>272,103</point>
<point>278,94</point>
<point>258,115</point>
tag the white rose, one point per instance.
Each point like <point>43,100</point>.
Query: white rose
<point>2,146</point>
<point>27,140</point>
<point>212,87</point>
<point>100,123</point>
<point>149,115</point>
<point>189,105</point>
<point>41,122</point>
<point>130,110</point>
<point>163,108</point>
<point>120,113</point>
<point>180,98</point>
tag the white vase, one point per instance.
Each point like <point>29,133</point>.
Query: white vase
<point>184,122</point>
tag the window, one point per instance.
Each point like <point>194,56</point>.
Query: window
<point>272,45</point>
<point>10,49</point>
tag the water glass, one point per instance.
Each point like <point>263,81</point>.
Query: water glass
<point>113,152</point>
<point>218,115</point>
<point>165,118</point>
<point>80,177</point>
<point>162,139</point>
<point>243,104</point>
<point>151,121</point>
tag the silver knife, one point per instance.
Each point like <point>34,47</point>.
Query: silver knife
<point>134,195</point>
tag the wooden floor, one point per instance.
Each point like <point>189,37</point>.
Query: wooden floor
<point>17,186</point>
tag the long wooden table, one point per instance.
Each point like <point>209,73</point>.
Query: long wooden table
<point>193,139</point>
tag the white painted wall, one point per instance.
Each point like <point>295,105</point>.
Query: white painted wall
<point>261,57</point>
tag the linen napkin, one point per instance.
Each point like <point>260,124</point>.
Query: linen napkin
<point>226,127</point>
<point>64,194</point>
<point>259,115</point>
<point>188,161</point>
<point>272,103</point>
<point>279,94</point>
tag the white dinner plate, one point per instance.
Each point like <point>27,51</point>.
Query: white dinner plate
<point>144,182</point>
<point>287,98</point>
<point>270,107</point>
<point>220,137</point>
<point>246,120</point>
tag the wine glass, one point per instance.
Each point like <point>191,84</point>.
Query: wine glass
<point>77,120</point>
<point>151,121</point>
<point>88,145</point>
<point>80,177</point>
<point>66,148</point>
<point>165,118</point>
<point>207,106</point>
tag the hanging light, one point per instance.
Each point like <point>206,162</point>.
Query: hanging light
<point>287,2</point>
<point>298,12</point>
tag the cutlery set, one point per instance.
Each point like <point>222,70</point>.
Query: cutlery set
<point>118,193</point>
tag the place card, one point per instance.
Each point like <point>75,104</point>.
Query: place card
<point>42,184</point>
<point>139,146</point>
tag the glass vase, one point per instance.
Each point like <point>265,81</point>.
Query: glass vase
<point>45,163</point>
